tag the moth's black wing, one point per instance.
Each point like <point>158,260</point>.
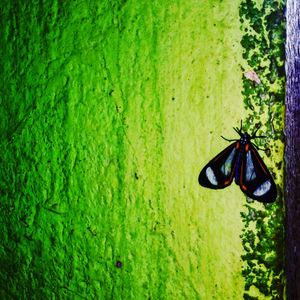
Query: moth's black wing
<point>219,172</point>
<point>255,179</point>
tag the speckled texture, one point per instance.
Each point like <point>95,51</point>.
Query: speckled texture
<point>263,24</point>
<point>108,111</point>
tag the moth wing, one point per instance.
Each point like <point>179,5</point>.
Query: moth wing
<point>255,179</point>
<point>219,172</point>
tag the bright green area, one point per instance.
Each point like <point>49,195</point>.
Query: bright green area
<point>108,112</point>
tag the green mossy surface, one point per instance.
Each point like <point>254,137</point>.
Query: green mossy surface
<point>263,232</point>
<point>108,112</point>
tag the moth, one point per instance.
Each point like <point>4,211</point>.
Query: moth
<point>241,161</point>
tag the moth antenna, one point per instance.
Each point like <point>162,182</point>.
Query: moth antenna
<point>237,130</point>
<point>254,134</point>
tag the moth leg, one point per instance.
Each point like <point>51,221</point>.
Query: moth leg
<point>228,140</point>
<point>260,137</point>
<point>254,136</point>
<point>258,147</point>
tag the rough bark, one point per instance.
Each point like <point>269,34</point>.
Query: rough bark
<point>292,153</point>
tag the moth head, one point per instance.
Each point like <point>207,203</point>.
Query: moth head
<point>245,137</point>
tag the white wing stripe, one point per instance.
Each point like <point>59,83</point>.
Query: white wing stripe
<point>263,188</point>
<point>226,167</point>
<point>250,173</point>
<point>211,176</point>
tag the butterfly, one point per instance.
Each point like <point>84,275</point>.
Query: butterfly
<point>241,161</point>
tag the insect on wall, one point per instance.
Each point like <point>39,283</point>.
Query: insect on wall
<point>242,162</point>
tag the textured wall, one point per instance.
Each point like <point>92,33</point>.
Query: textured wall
<point>109,109</point>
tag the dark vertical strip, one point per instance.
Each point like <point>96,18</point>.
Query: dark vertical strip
<point>292,153</point>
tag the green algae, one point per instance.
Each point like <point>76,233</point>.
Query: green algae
<point>108,112</point>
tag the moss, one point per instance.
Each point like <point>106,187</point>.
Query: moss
<point>262,235</point>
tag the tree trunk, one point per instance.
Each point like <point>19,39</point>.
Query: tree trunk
<point>292,154</point>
